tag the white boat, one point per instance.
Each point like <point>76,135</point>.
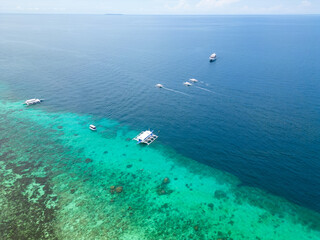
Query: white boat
<point>146,137</point>
<point>187,84</point>
<point>159,85</point>
<point>32,101</point>
<point>92,127</point>
<point>193,80</point>
<point>213,57</point>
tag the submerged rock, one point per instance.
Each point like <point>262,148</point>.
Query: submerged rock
<point>89,160</point>
<point>166,180</point>
<point>119,189</point>
<point>210,205</point>
<point>59,127</point>
<point>166,205</point>
<point>163,191</point>
<point>72,191</point>
<point>163,187</point>
<point>129,166</point>
<point>112,189</point>
<point>219,194</point>
<point>231,222</point>
<point>196,228</point>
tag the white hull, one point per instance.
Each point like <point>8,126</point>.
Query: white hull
<point>213,57</point>
<point>32,101</point>
<point>92,128</point>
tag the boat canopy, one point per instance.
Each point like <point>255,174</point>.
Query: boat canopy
<point>32,101</point>
<point>146,137</point>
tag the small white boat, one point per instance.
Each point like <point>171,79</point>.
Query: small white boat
<point>193,80</point>
<point>213,57</point>
<point>159,85</point>
<point>32,101</point>
<point>92,127</point>
<point>187,84</point>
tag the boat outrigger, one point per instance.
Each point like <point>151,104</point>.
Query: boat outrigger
<point>92,127</point>
<point>146,137</point>
<point>32,101</point>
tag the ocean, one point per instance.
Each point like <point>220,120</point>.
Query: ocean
<point>240,147</point>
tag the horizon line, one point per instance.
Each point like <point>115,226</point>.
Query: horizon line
<point>163,14</point>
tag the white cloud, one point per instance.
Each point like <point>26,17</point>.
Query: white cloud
<point>300,7</point>
<point>305,3</point>
<point>182,5</point>
<point>205,4</point>
<point>263,10</point>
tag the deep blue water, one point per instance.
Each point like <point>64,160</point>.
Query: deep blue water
<point>262,123</point>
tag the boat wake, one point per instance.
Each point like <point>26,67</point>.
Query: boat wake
<point>172,90</point>
<point>204,89</point>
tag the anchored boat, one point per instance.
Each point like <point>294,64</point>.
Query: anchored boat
<point>213,57</point>
<point>32,101</point>
<point>92,127</point>
<point>146,137</point>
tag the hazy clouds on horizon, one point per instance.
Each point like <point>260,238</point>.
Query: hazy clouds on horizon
<point>162,6</point>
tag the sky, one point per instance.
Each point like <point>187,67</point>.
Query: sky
<point>162,6</point>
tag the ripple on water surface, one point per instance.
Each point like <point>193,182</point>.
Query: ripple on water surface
<point>78,184</point>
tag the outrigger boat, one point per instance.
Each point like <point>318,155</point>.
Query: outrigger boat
<point>146,137</point>
<point>32,101</point>
<point>193,80</point>
<point>159,85</point>
<point>187,84</point>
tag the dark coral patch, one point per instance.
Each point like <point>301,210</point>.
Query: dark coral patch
<point>219,194</point>
<point>211,206</point>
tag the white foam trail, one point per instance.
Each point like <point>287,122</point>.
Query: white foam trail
<point>172,90</point>
<point>206,90</point>
<point>202,82</point>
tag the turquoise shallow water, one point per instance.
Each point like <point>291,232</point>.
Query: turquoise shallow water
<point>57,183</point>
<point>260,123</point>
